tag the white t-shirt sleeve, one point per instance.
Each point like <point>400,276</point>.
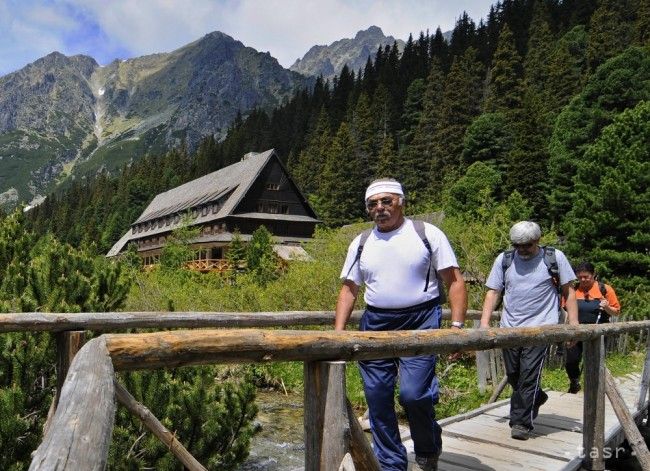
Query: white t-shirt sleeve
<point>564,268</point>
<point>443,253</point>
<point>349,271</point>
<point>495,279</point>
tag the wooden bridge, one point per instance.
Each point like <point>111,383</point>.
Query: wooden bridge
<point>334,439</point>
<point>480,439</point>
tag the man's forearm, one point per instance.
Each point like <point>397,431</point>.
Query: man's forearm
<point>571,306</point>
<point>458,300</point>
<point>489,304</point>
<point>344,305</point>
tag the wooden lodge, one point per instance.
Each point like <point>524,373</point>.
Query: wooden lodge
<point>243,196</point>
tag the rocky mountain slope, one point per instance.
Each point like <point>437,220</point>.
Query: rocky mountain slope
<point>62,116</point>
<point>328,61</point>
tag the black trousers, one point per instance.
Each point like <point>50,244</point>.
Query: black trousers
<point>573,357</point>
<point>524,369</point>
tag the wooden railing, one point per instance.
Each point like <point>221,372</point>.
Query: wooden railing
<point>207,264</point>
<point>330,431</point>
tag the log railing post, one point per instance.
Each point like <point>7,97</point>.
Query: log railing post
<point>482,364</point>
<point>331,428</point>
<point>82,426</point>
<point>645,378</point>
<point>67,345</point>
<point>594,405</point>
<point>326,422</point>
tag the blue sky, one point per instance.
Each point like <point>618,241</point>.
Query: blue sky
<point>120,29</point>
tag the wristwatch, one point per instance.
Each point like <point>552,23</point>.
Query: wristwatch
<point>458,324</point>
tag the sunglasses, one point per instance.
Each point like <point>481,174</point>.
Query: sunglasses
<point>385,202</point>
<point>523,246</point>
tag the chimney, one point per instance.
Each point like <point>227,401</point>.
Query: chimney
<point>249,155</point>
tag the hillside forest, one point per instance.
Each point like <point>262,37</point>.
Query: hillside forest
<point>541,111</point>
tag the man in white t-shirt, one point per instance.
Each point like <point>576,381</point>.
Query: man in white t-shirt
<point>402,293</point>
<point>530,298</point>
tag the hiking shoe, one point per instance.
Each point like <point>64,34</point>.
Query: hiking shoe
<point>541,400</point>
<point>519,432</point>
<point>574,386</point>
<point>427,463</point>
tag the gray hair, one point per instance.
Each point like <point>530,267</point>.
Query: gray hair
<point>525,231</point>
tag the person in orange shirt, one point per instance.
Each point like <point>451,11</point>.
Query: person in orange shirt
<point>597,302</point>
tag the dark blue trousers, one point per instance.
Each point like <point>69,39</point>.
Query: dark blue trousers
<point>418,390</point>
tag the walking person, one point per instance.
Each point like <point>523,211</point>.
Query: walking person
<point>530,278</point>
<point>399,262</point>
<point>597,303</point>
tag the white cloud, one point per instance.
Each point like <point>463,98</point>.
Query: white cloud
<point>285,28</point>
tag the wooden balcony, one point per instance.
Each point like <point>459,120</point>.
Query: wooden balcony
<point>206,265</point>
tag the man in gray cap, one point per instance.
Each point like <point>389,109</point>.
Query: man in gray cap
<point>532,278</point>
<point>399,261</point>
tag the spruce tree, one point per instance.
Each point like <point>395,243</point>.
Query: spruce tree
<point>387,165</point>
<point>236,252</point>
<point>567,68</point>
<point>342,188</point>
<point>460,104</point>
<point>414,161</point>
<point>618,84</point>
<point>311,160</point>
<point>504,89</point>
<point>608,220</point>
<point>365,135</point>
<point>609,33</point>
<point>261,260</point>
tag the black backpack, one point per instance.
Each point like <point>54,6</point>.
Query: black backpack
<point>419,228</point>
<point>549,260</point>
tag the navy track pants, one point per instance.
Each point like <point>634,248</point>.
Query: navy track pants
<point>418,387</point>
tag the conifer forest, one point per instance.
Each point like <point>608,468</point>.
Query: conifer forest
<point>540,111</point>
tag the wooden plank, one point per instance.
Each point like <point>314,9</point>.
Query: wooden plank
<point>112,321</point>
<point>594,405</point>
<point>157,428</point>
<point>475,455</point>
<point>180,348</point>
<point>632,433</point>
<point>84,417</point>
<point>545,441</point>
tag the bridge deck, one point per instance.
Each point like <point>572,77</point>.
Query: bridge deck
<point>480,440</point>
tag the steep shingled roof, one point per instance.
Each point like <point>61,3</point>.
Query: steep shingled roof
<point>227,186</point>
<point>238,176</point>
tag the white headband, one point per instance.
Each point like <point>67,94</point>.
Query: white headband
<point>384,187</point>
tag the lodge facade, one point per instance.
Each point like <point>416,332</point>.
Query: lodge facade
<point>252,192</point>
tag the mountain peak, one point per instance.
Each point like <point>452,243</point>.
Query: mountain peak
<point>328,61</point>
<point>371,33</point>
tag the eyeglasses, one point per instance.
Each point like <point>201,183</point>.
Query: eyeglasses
<point>385,202</point>
<point>523,246</point>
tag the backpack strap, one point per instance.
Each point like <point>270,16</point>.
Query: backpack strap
<point>362,241</point>
<point>419,228</point>
<point>506,261</point>
<point>550,260</point>
<point>603,289</point>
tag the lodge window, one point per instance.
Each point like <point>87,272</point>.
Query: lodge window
<point>204,210</point>
<point>273,186</point>
<point>272,207</point>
